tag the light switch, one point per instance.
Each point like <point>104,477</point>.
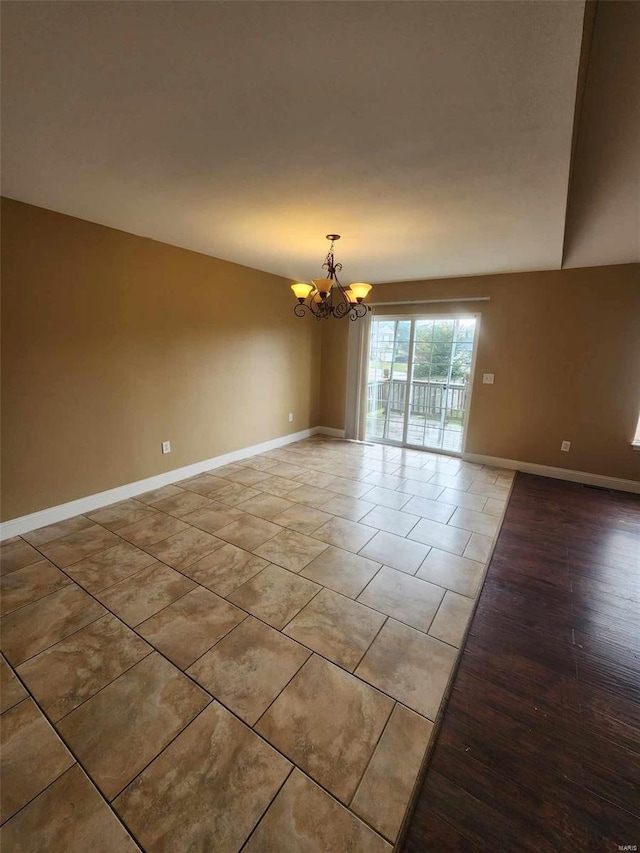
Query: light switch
<point>487,378</point>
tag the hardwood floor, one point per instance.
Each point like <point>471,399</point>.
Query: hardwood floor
<point>539,746</point>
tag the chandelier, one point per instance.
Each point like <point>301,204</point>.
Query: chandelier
<point>326,297</point>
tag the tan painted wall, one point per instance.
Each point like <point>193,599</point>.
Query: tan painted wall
<point>565,350</point>
<point>112,343</point>
<point>333,387</point>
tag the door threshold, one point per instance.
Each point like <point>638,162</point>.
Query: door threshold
<point>456,454</point>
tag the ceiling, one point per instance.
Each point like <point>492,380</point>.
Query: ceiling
<point>436,137</point>
<point>603,223</point>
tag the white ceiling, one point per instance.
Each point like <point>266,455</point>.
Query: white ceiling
<point>434,136</point>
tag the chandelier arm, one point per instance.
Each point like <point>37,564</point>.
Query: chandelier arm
<point>317,309</point>
<point>341,310</point>
<point>321,309</point>
<point>300,309</point>
<point>358,310</point>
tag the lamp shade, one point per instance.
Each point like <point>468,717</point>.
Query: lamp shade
<point>350,296</point>
<point>323,285</point>
<point>359,290</point>
<point>301,290</point>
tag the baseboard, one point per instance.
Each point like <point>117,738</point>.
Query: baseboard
<point>17,526</point>
<point>556,473</point>
<point>90,503</point>
<point>332,431</point>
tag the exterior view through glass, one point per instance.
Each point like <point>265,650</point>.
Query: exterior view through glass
<point>418,380</point>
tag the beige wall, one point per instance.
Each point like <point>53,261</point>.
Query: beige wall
<point>112,343</point>
<point>333,378</point>
<point>565,350</point>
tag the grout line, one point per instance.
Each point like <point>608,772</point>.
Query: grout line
<point>275,698</point>
<point>157,755</point>
<point>71,634</point>
<point>49,784</point>
<point>301,769</point>
<point>199,686</point>
<point>42,597</point>
<point>186,675</point>
<point>313,597</point>
<point>433,619</point>
<point>224,597</point>
<point>133,574</point>
<point>133,628</point>
<point>362,657</point>
<point>76,763</point>
<point>313,651</point>
<point>371,757</point>
<point>370,607</point>
<point>115,678</point>
<point>368,583</point>
<point>269,804</point>
<point>114,812</point>
<point>146,618</point>
<point>28,698</point>
<point>211,647</point>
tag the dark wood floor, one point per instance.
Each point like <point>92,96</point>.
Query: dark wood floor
<point>539,746</point>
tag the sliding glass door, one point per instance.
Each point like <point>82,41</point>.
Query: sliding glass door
<point>418,384</point>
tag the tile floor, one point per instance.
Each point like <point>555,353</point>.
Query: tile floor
<point>249,659</point>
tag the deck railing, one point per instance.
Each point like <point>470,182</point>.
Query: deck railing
<point>427,398</point>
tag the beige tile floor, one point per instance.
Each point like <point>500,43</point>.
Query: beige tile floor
<point>252,658</point>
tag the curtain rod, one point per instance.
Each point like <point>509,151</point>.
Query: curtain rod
<point>425,301</point>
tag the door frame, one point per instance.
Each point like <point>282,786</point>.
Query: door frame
<point>363,370</point>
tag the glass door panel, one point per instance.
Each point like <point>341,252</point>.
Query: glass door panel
<point>419,371</point>
<point>431,360</point>
<point>458,384</point>
<point>387,381</point>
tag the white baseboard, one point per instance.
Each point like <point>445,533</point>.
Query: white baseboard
<point>17,526</point>
<point>90,503</point>
<point>332,431</point>
<point>556,473</point>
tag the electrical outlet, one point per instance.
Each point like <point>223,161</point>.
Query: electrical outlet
<point>566,446</point>
<point>290,417</point>
<point>487,378</point>
<point>166,447</point>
